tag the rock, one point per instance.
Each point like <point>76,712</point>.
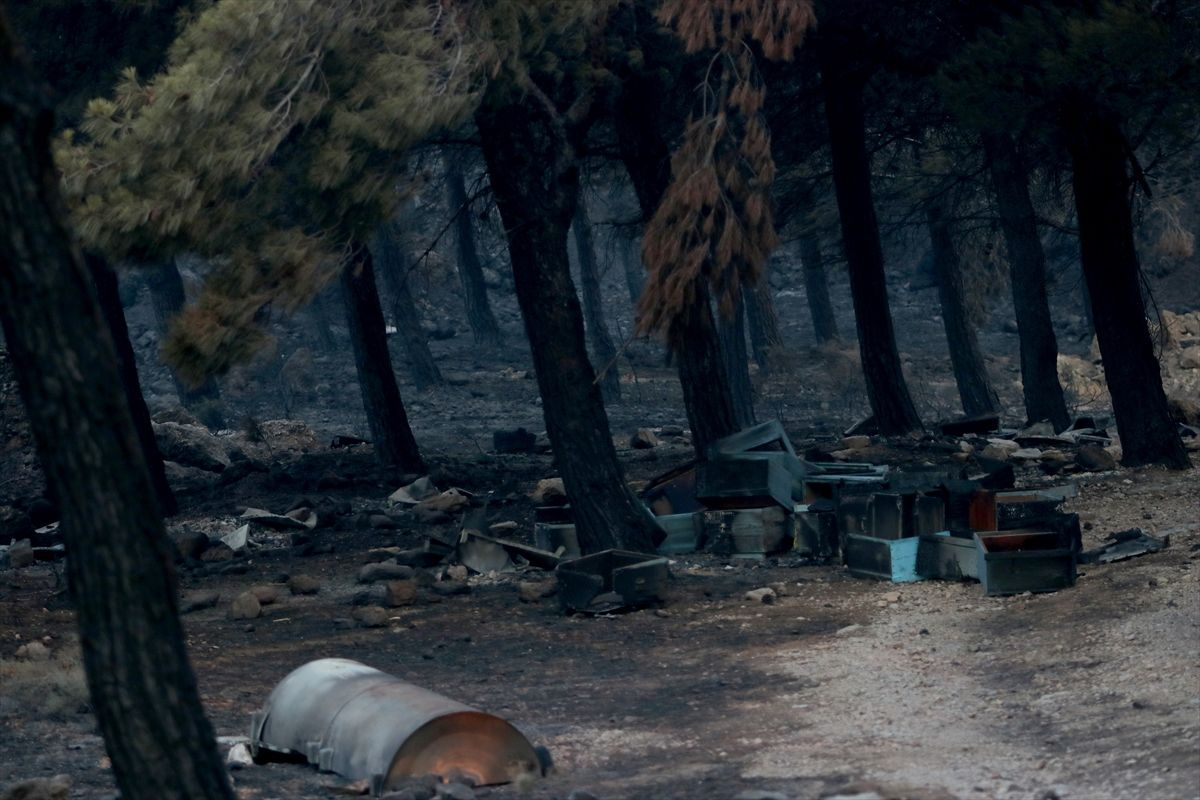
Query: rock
<point>56,788</point>
<point>191,446</point>
<point>420,489</point>
<point>374,595</point>
<point>1007,445</point>
<point>239,757</point>
<point>191,544</point>
<point>20,554</point>
<point>855,796</point>
<point>33,651</point>
<point>891,597</point>
<point>1095,459</point>
<point>371,616</point>
<point>341,623</point>
<point>847,629</point>
<point>455,791</point>
<point>532,591</point>
<point>1043,428</point>
<point>548,490</point>
<point>514,441</point>
<point>844,455</point>
<point>384,572</point>
<point>304,584</point>
<point>382,522</point>
<point>856,442</point>
<point>1055,456</point>
<point>216,553</point>
<point>1185,410</point>
<point>267,595</point>
<point>198,601</point>
<point>580,794</point>
<point>245,606</point>
<point>670,430</point>
<point>450,588</point>
<point>401,593</point>
<point>1026,454</point>
<point>457,572</point>
<point>447,502</point>
<point>644,439</point>
<point>506,526</point>
<point>764,595</point>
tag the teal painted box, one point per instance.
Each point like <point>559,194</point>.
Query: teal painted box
<point>892,560</point>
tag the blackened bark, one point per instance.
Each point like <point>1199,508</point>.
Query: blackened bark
<point>391,436</point>
<point>731,331</point>
<point>470,271</point>
<point>142,685</point>
<point>816,284</point>
<point>534,176</point>
<point>603,351</point>
<point>891,404</point>
<point>1111,269</point>
<point>711,411</point>
<point>167,297</point>
<point>109,294</point>
<point>765,341</point>
<point>631,262</point>
<point>394,266</point>
<point>970,372</point>
<point>1027,274</point>
<point>707,393</point>
<point>319,312</point>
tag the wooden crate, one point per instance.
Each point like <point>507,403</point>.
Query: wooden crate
<point>1011,562</point>
<point>886,559</point>
<point>951,558</point>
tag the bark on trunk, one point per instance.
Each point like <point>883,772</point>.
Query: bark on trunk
<point>970,372</point>
<point>603,351</point>
<point>394,266</point>
<point>707,394</point>
<point>391,436</point>
<point>142,686</point>
<point>109,294</point>
<point>1027,274</point>
<point>535,179</point>
<point>1111,269</point>
<point>732,334</point>
<point>631,262</point>
<point>891,404</point>
<point>167,297</point>
<point>319,311</point>
<point>816,284</point>
<point>765,340</point>
<point>470,271</point>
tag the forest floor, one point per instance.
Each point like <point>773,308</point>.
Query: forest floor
<point>841,687</point>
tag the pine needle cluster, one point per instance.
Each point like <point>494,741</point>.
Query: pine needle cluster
<point>714,226</point>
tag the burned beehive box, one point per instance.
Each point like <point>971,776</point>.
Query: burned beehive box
<point>749,533</point>
<point>1012,562</point>
<point>684,533</point>
<point>886,559</point>
<point>744,482</point>
<point>611,579</point>
<point>948,557</point>
<point>1020,509</point>
<point>969,507</point>
<point>816,532</point>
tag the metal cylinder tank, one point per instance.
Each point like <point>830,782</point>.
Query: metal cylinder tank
<point>359,722</point>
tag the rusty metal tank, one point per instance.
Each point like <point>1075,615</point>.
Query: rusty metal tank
<point>359,722</point>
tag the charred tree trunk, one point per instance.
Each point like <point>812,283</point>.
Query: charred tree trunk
<point>470,272</point>
<point>1110,267</point>
<point>142,685</point>
<point>631,262</point>
<point>319,311</point>
<point>732,334</point>
<point>970,372</point>
<point>391,436</point>
<point>816,284</point>
<point>887,390</point>
<point>603,350</point>
<point>765,341</point>
<point>533,172</point>
<point>167,297</point>
<point>395,267</point>
<point>1027,273</point>
<point>707,394</point>
<point>109,294</point>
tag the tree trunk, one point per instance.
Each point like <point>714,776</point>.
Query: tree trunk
<point>167,297</point>
<point>707,394</point>
<point>631,262</point>
<point>109,295</point>
<point>142,686</point>
<point>319,312</point>
<point>732,334</point>
<point>816,284</point>
<point>603,350</point>
<point>891,404</point>
<point>470,271</point>
<point>394,266</point>
<point>970,372</point>
<point>765,341</point>
<point>1027,273</point>
<point>535,179</point>
<point>393,439</point>
<point>1111,269</point>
